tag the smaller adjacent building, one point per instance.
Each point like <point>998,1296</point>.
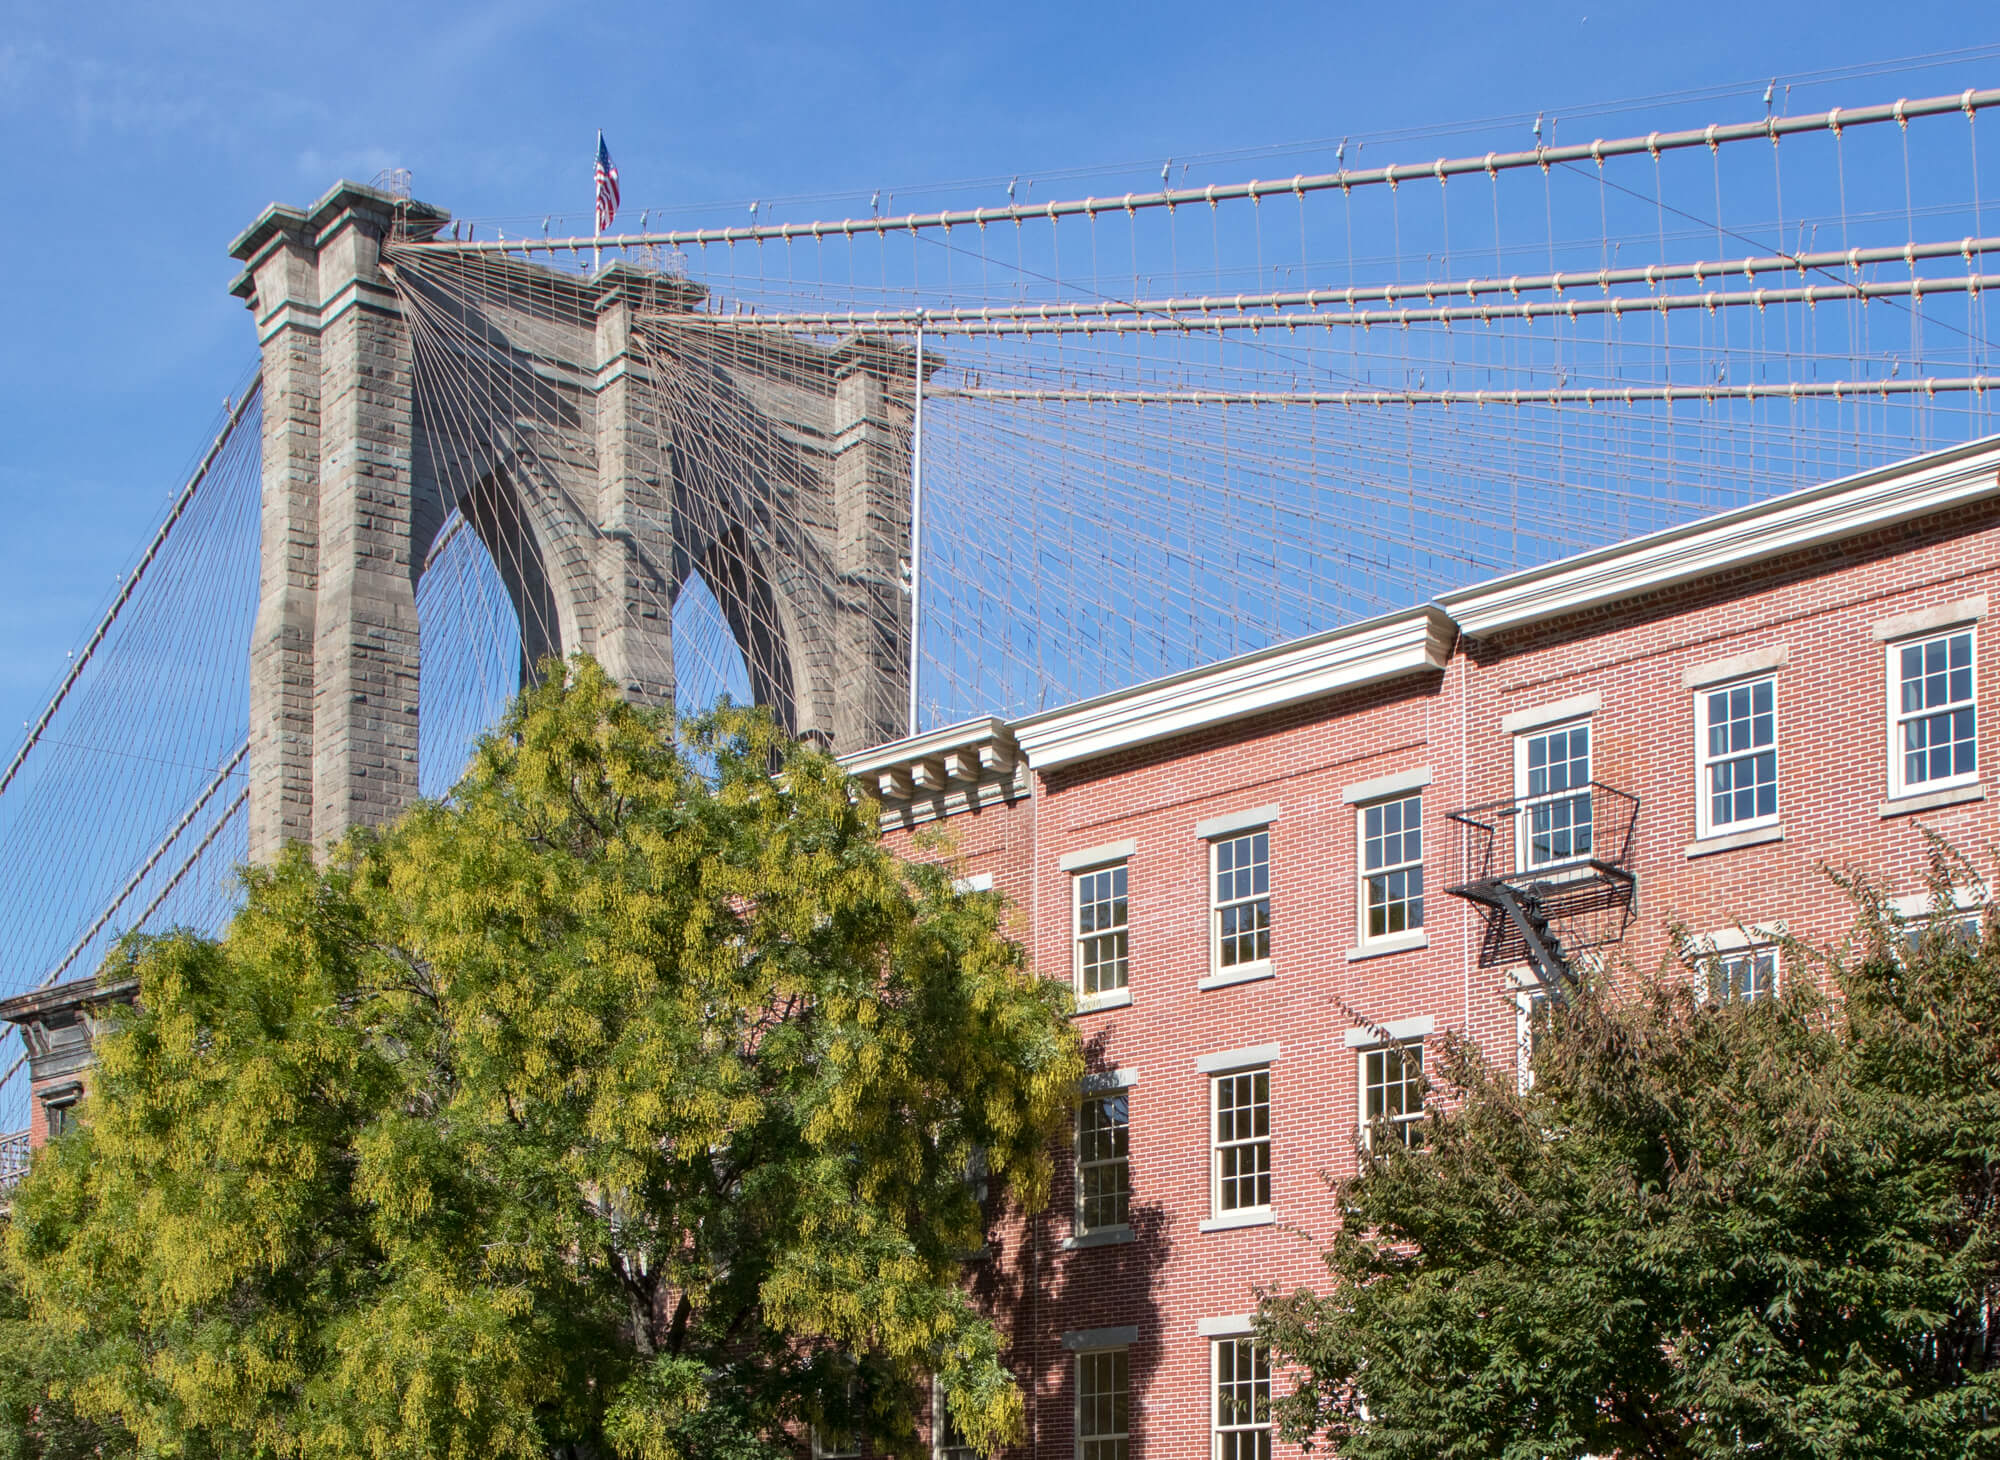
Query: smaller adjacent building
<point>58,1025</point>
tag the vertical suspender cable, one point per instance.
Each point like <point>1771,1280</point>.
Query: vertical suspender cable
<point>917,528</point>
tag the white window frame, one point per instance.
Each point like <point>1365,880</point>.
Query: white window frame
<point>1406,1122</point>
<point>1523,838</point>
<point>940,1422</point>
<point>1899,785</point>
<point>1109,1436</point>
<point>1752,953</point>
<point>1704,954</point>
<point>1918,911</point>
<point>1529,992</point>
<point>1090,998</point>
<point>1216,1145</point>
<point>1216,1429</point>
<point>1705,761</point>
<point>1082,1227</point>
<point>1364,936</point>
<point>1233,972</point>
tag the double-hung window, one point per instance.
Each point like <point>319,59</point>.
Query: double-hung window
<point>830,1441</point>
<point>1552,783</point>
<point>1102,914</point>
<point>1933,717</point>
<point>1737,755</point>
<point>1103,1163</point>
<point>1240,1149</point>
<point>1392,1091</point>
<point>1392,867</point>
<point>1241,1420</point>
<point>1240,913</point>
<point>1103,1405</point>
<point>1746,974</point>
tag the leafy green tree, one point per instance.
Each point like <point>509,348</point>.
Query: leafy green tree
<point>623,1104</point>
<point>35,1425</point>
<point>1708,1228</point>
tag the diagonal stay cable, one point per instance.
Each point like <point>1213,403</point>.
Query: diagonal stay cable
<point>152,907</point>
<point>152,861</point>
<point>174,515</point>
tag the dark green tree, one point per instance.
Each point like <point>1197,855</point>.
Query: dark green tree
<point>1707,1228</point>
<point>621,1105</point>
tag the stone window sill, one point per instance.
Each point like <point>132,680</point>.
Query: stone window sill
<point>1394,943</point>
<point>1932,800</point>
<point>1097,1003</point>
<point>1102,1237</point>
<point>1729,841</point>
<point>1242,973</point>
<point>1259,1217</point>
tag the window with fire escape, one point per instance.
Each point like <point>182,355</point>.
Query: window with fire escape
<point>1552,778</point>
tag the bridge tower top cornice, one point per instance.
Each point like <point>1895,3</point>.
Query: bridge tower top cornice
<point>379,212</point>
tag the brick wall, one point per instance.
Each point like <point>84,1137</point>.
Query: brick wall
<point>1831,745</point>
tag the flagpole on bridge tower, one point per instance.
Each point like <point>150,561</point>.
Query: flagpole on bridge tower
<point>597,205</point>
<point>917,527</point>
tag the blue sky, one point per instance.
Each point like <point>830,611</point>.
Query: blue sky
<point>140,139</point>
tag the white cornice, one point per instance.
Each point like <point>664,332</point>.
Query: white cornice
<point>966,734</point>
<point>1383,648</point>
<point>1791,523</point>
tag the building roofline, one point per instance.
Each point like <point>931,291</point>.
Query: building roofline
<point>1390,646</point>
<point>1810,517</point>
<point>980,730</point>
<point>1417,639</point>
<point>90,990</point>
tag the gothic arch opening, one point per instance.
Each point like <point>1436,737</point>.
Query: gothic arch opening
<point>707,662</point>
<point>734,581</point>
<point>492,509</point>
<point>472,656</point>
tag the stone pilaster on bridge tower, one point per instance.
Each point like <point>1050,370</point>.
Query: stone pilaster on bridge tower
<point>871,498</point>
<point>635,551</point>
<point>285,279</point>
<point>334,657</point>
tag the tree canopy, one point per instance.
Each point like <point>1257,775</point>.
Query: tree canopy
<point>622,1104</point>
<point>1708,1228</point>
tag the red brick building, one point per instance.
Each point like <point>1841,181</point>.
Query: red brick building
<point>1274,880</point>
<point>1248,872</point>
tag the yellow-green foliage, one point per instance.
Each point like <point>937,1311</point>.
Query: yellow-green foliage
<point>625,1100</point>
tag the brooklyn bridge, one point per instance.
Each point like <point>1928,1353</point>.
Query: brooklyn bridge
<point>890,471</point>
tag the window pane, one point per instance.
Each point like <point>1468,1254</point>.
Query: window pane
<point>1243,1141</point>
<point>1939,721</point>
<point>1556,826</point>
<point>1104,1173</point>
<point>1392,1089</point>
<point>1103,1405</point>
<point>1101,914</point>
<point>1392,883</point>
<point>1242,1400</point>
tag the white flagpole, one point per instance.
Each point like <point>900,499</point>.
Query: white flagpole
<point>596,228</point>
<point>917,528</point>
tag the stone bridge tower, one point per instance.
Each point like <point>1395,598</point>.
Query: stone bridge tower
<point>536,410</point>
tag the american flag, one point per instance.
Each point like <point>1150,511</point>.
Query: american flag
<point>607,186</point>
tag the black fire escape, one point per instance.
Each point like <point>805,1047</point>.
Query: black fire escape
<point>1552,875</point>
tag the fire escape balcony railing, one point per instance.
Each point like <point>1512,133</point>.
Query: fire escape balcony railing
<point>1552,875</point>
<point>13,1160</point>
